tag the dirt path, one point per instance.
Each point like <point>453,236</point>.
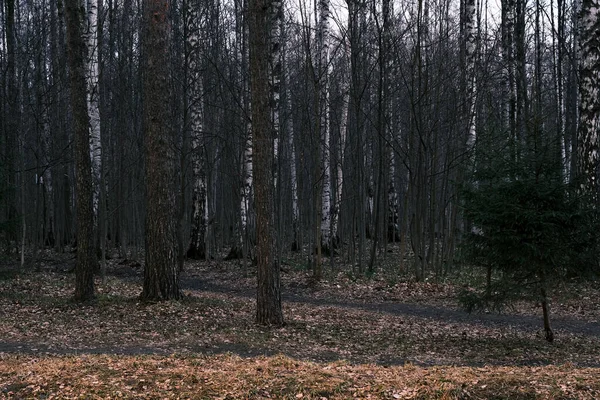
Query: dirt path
<point>439,313</point>
<point>336,320</point>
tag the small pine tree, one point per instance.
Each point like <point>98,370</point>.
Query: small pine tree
<point>533,230</point>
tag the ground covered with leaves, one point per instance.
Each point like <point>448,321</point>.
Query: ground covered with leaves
<point>345,337</point>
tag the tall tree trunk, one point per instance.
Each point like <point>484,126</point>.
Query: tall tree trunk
<point>381,126</point>
<point>522,111</point>
<point>268,304</point>
<point>197,246</point>
<point>93,96</point>
<point>323,116</point>
<point>508,53</point>
<point>559,47</point>
<point>241,244</point>
<point>275,66</point>
<point>86,255</point>
<point>549,333</point>
<point>161,275</point>
<point>246,195</point>
<point>296,245</point>
<point>589,100</point>
<point>341,150</point>
<point>470,43</point>
<point>11,125</point>
<point>392,231</point>
<point>356,123</point>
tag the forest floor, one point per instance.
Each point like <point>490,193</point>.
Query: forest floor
<point>345,337</point>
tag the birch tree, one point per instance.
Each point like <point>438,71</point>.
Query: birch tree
<point>341,149</point>
<point>296,245</point>
<point>241,235</point>
<point>589,96</point>
<point>322,77</point>
<point>470,43</point>
<point>93,95</point>
<point>197,246</point>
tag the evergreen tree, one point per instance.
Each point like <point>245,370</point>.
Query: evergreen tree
<point>531,229</point>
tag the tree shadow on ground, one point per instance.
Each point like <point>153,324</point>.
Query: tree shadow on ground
<point>443,314</point>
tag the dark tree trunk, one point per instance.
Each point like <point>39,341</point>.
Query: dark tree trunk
<point>86,257</point>
<point>549,333</point>
<point>268,305</point>
<point>161,274</point>
<point>11,126</point>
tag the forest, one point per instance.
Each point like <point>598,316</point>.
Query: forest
<point>329,199</point>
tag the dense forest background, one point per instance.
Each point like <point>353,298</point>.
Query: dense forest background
<point>387,120</point>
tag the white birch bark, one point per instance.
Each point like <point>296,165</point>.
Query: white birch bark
<point>470,47</point>
<point>247,179</point>
<point>241,233</point>
<point>589,95</point>
<point>293,174</point>
<point>93,94</point>
<point>341,154</point>
<point>323,71</point>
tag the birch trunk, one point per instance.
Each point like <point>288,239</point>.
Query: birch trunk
<point>341,149</point>
<point>470,39</point>
<point>392,232</point>
<point>240,246</point>
<point>93,97</point>
<point>247,165</point>
<point>589,96</point>
<point>323,115</point>
<point>197,245</point>
<point>246,192</point>
<point>289,127</point>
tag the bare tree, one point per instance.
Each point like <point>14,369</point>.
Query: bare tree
<point>268,306</point>
<point>11,124</point>
<point>197,247</point>
<point>322,93</point>
<point>86,257</point>
<point>161,275</point>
